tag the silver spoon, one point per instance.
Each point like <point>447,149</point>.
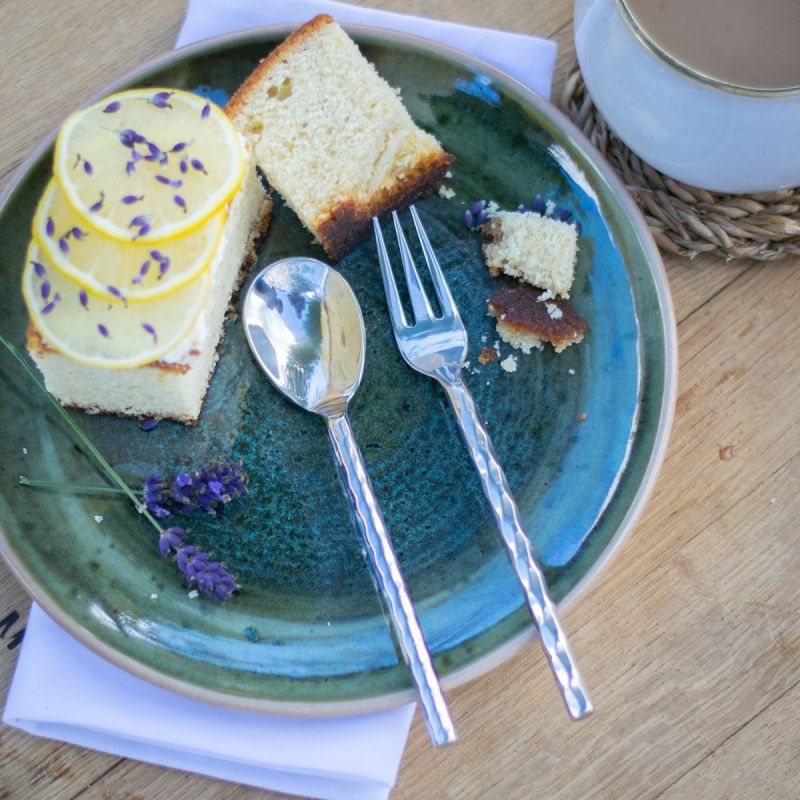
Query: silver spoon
<point>304,326</point>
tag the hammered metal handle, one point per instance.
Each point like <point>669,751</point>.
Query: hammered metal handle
<point>391,584</point>
<point>537,596</point>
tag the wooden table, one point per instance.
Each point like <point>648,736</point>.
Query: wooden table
<point>690,640</point>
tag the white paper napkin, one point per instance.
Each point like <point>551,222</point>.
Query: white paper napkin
<point>527,58</point>
<point>62,690</point>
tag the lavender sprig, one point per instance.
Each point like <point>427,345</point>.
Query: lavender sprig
<point>211,578</point>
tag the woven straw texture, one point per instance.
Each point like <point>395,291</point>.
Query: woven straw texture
<point>684,219</point>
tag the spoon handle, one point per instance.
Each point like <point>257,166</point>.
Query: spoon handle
<point>383,560</point>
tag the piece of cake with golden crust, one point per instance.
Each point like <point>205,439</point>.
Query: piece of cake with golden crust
<point>332,137</point>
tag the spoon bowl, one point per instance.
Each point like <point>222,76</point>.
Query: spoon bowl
<point>305,328</point>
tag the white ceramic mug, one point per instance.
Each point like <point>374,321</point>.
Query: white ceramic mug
<point>702,131</point>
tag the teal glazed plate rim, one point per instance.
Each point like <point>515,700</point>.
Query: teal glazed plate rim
<point>581,434</point>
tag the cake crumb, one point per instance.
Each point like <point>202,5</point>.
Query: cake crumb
<point>571,371</point>
<point>726,452</point>
<point>553,310</point>
<point>465,365</point>
<point>193,594</point>
<point>98,518</point>
<point>154,596</point>
<point>448,174</point>
<point>773,500</point>
<point>509,363</point>
<point>486,355</point>
<point>484,338</point>
<point>446,192</point>
<point>24,451</point>
<point>582,417</point>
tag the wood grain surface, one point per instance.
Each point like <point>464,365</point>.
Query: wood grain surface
<point>691,638</point>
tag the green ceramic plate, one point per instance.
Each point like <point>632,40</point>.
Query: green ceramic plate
<point>306,634</point>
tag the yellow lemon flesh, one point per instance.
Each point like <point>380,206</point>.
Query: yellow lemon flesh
<point>148,165</point>
<point>102,333</point>
<point>113,269</point>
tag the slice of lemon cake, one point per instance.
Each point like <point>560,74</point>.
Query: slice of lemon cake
<point>138,244</point>
<point>333,137</point>
<point>174,385</point>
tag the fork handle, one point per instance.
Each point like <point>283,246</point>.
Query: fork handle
<point>386,570</point>
<point>495,486</point>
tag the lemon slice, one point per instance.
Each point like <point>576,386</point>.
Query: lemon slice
<point>149,165</point>
<point>99,333</point>
<point>113,269</point>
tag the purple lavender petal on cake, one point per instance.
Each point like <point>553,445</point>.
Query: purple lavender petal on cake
<point>84,299</point>
<point>103,330</point>
<point>45,290</point>
<point>111,108</point>
<point>38,269</point>
<point>151,330</point>
<point>50,227</point>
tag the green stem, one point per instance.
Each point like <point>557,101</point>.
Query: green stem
<point>83,488</point>
<point>82,437</point>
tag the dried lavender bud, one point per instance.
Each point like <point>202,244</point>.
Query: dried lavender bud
<point>198,165</point>
<point>469,220</point>
<point>171,540</point>
<point>477,207</point>
<point>148,424</point>
<point>45,290</point>
<point>94,208</point>
<point>538,205</point>
<point>155,495</point>
<point>103,330</point>
<point>84,298</point>
<point>163,267</point>
<point>130,199</point>
<point>564,215</point>
<point>52,304</point>
<point>184,167</point>
<point>138,222</point>
<point>169,181</point>
<point>78,234</point>
<point>63,245</point>
<point>130,168</point>
<point>151,330</point>
<point>143,270</point>
<point>38,269</point>
<point>143,231</point>
<point>117,293</point>
<point>180,202</point>
<point>112,107</point>
<point>482,219</point>
<point>161,99</point>
<point>50,227</point>
<point>87,167</point>
<point>210,577</point>
<point>179,147</point>
<point>206,111</point>
<point>209,488</point>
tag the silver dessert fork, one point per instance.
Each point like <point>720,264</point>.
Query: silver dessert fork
<point>437,347</point>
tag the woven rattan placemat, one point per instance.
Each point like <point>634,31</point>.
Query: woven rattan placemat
<point>684,219</point>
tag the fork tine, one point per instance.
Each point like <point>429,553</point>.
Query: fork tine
<point>416,293</point>
<point>389,284</point>
<point>440,284</point>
